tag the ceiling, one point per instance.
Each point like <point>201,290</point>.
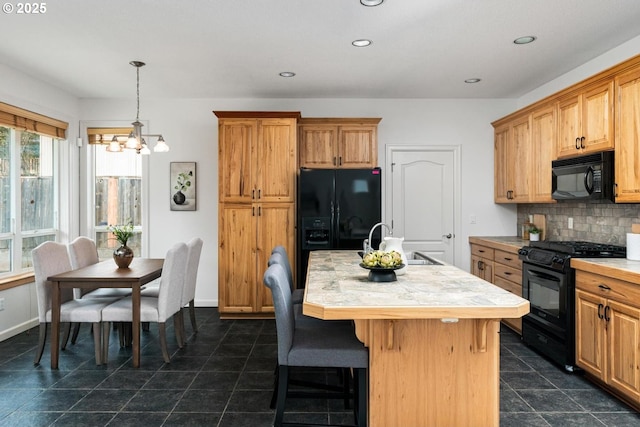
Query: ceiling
<point>236,48</point>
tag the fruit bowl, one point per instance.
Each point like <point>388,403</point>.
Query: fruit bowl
<point>382,274</point>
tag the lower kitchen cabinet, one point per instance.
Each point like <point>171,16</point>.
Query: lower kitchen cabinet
<point>608,333</point>
<point>501,267</point>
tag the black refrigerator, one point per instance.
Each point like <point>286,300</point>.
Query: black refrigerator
<point>336,210</point>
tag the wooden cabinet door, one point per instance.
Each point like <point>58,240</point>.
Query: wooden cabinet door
<point>236,141</point>
<point>586,121</point>
<point>569,126</point>
<point>597,118</point>
<point>482,268</point>
<point>357,147</point>
<point>318,146</point>
<point>627,137</point>
<point>519,160</point>
<point>236,258</point>
<point>543,145</point>
<point>276,157</point>
<point>501,187</point>
<point>590,334</point>
<point>623,334</point>
<point>275,226</point>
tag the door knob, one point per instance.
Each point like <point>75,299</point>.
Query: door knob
<point>448,236</point>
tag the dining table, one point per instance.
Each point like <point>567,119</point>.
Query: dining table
<point>432,334</point>
<point>104,274</point>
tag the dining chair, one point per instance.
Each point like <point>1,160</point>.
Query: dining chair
<point>189,293</point>
<point>152,309</point>
<point>49,259</point>
<point>297,295</point>
<point>83,252</point>
<point>313,345</point>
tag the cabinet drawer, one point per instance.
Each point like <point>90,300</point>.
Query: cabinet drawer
<point>619,290</point>
<point>509,273</point>
<point>482,251</point>
<point>508,285</point>
<point>508,258</point>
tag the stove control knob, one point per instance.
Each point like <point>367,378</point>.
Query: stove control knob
<point>523,251</point>
<point>557,260</point>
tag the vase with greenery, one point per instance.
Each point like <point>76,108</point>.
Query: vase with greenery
<point>183,182</point>
<point>123,255</point>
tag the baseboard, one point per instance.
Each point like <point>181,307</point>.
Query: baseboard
<point>18,329</point>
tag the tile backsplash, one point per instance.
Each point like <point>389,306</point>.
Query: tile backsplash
<point>593,222</point>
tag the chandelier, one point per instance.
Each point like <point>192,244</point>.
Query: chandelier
<point>136,139</point>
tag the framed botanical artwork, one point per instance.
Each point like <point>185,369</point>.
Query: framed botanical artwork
<point>183,186</point>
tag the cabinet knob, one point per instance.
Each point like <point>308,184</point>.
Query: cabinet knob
<point>582,142</point>
<point>577,143</point>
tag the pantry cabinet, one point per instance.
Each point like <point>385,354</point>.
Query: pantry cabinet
<point>627,137</point>
<point>608,332</point>
<point>257,162</point>
<point>586,120</point>
<point>327,143</point>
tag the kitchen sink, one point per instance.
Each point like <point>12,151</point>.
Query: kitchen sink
<point>419,258</point>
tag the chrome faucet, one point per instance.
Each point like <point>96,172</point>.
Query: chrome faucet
<point>366,245</point>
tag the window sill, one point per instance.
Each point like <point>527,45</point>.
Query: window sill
<point>16,280</point>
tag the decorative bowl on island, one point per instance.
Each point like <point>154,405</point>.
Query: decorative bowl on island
<point>381,265</point>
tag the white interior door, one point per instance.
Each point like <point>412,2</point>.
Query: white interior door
<point>422,202</point>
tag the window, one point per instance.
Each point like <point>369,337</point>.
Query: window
<point>117,191</point>
<point>28,196</point>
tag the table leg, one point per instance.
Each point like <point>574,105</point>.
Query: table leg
<point>135,325</point>
<point>55,324</point>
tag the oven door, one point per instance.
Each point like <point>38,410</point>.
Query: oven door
<point>547,293</point>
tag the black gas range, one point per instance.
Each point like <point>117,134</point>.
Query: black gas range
<point>548,282</point>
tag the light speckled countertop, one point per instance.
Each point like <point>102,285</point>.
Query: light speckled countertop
<point>505,243</point>
<point>616,268</point>
<point>337,287</point>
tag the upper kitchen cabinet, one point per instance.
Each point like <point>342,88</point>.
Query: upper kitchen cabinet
<point>524,146</point>
<point>586,120</point>
<point>512,154</point>
<point>259,154</point>
<point>328,143</point>
<point>627,136</point>
<point>543,144</point>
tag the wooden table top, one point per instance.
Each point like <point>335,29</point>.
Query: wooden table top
<point>141,269</point>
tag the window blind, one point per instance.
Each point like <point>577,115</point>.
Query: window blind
<point>104,135</point>
<point>18,118</point>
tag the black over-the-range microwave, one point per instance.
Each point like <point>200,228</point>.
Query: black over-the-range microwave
<point>585,177</point>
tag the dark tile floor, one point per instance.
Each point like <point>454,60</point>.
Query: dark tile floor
<point>224,378</point>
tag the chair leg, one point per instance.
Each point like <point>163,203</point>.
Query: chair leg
<point>283,385</point>
<point>192,315</point>
<point>76,331</point>
<point>163,341</point>
<point>106,331</point>
<point>97,343</point>
<point>178,327</point>
<point>66,332</point>
<point>42,337</point>
<point>360,396</point>
<point>274,395</point>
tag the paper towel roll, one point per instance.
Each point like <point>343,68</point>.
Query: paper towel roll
<point>633,246</point>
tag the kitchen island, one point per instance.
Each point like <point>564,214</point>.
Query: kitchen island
<point>433,338</point>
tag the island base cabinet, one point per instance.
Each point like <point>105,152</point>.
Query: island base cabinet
<point>432,373</point>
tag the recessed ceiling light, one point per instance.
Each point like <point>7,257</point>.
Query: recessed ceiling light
<point>370,3</point>
<point>474,80</point>
<point>361,43</point>
<point>524,40</point>
<point>287,74</point>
